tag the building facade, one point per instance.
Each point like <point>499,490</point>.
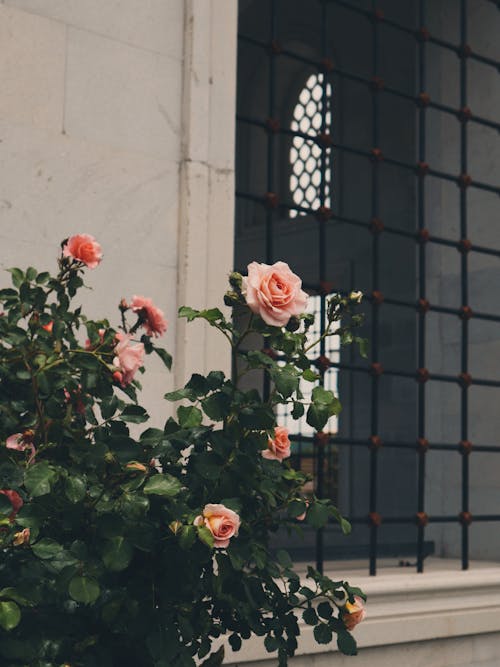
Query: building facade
<point>339,137</point>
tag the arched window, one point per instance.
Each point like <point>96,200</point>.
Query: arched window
<point>305,154</point>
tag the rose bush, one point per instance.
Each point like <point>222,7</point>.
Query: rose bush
<point>140,551</point>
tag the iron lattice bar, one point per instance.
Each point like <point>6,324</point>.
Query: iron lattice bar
<point>382,87</point>
<point>465,291</point>
<point>373,501</point>
<point>419,34</point>
<point>422,291</point>
<point>368,225</point>
<point>271,148</point>
<point>320,457</point>
<point>414,168</point>
<point>401,444</point>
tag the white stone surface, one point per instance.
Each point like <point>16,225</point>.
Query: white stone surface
<point>122,96</point>
<point>153,25</point>
<point>32,62</point>
<point>206,223</point>
<point>92,139</point>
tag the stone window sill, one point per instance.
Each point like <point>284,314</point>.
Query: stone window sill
<point>403,607</point>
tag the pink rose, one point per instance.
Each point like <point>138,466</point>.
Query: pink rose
<point>274,292</point>
<point>21,442</point>
<point>83,248</point>
<point>152,317</point>
<point>352,614</point>
<point>129,358</point>
<point>15,500</point>
<point>279,447</point>
<point>222,522</point>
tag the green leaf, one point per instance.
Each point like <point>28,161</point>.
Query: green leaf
<point>164,356</point>
<point>271,643</point>
<point>310,375</point>
<point>344,524</point>
<point>325,610</point>
<point>189,416</point>
<point>17,276</point>
<point>306,592</point>
<point>324,396</point>
<point>117,554</point>
<point>205,536</point>
<point>217,406</point>
<point>10,615</point>
<point>134,414</point>
<point>43,277</point>
<point>310,617</point>
<point>5,505</point>
<point>47,548</point>
<point>180,394</point>
<point>189,313</point>
<point>206,466</point>
<point>214,660</point>
<point>283,558</point>
<point>317,515</point>
<point>84,589</point>
<point>215,379</point>
<point>363,346</point>
<point>39,478</point>
<point>296,508</point>
<point>298,410</point>
<point>347,643</point>
<point>235,642</point>
<point>211,315</point>
<point>318,415</point>
<point>198,384</point>
<point>75,488</point>
<point>323,633</point>
<point>187,537</point>
<point>286,381</point>
<point>14,595</point>
<point>162,485</point>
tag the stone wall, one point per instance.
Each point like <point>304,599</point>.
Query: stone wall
<point>99,134</point>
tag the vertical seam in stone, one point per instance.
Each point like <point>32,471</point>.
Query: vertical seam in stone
<point>65,79</point>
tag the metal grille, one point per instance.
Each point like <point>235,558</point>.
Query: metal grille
<point>319,210</point>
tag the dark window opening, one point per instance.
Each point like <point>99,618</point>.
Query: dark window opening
<point>401,152</point>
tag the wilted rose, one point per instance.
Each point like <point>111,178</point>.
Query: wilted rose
<point>129,358</point>
<point>152,317</point>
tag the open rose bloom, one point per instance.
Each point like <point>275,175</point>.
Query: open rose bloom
<point>129,358</point>
<point>353,614</point>
<point>153,319</point>
<point>84,248</point>
<point>222,522</point>
<point>278,448</point>
<point>274,292</point>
